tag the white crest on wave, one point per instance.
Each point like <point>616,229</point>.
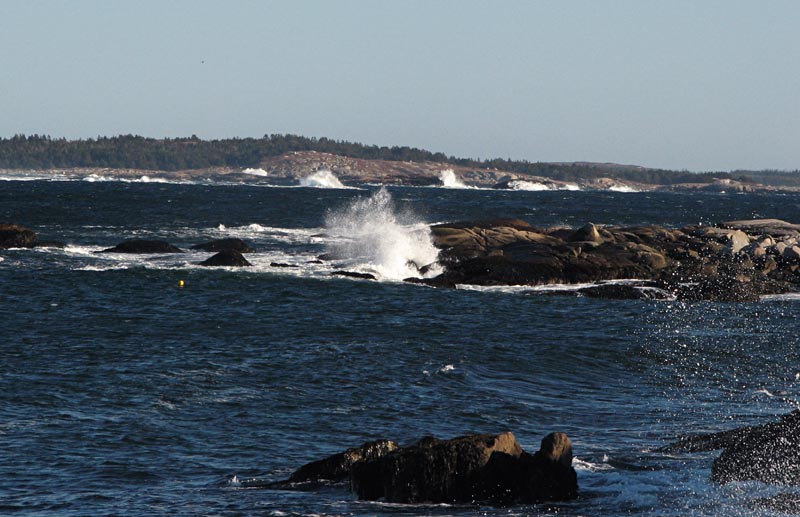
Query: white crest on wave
<point>450,180</point>
<point>322,179</point>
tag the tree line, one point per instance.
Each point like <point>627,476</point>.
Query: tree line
<point>171,154</point>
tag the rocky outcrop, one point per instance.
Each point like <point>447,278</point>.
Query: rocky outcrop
<point>228,258</point>
<point>225,244</point>
<point>733,261</point>
<point>143,246</point>
<point>468,469</point>
<point>769,453</point>
<point>17,236</point>
<point>473,468</point>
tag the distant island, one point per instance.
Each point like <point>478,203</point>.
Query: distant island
<point>289,158</point>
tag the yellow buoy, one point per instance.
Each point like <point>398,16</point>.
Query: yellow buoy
<point>181,283</point>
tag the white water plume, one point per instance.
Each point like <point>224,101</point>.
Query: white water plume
<point>527,185</point>
<point>322,179</point>
<point>450,180</point>
<point>371,236</point>
<point>255,172</point>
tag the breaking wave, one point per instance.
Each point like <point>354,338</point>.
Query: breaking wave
<point>255,172</point>
<point>371,236</point>
<point>450,180</point>
<point>322,179</point>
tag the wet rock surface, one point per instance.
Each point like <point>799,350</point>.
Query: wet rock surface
<point>144,246</point>
<point>229,258</point>
<point>467,469</point>
<point>732,261</point>
<point>769,453</point>
<point>225,244</point>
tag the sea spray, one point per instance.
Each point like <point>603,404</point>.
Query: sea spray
<point>371,235</point>
<point>450,180</point>
<point>322,179</point>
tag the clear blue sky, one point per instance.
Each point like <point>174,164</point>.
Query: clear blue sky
<point>697,85</point>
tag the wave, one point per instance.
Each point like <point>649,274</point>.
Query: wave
<point>371,236</point>
<point>255,172</point>
<point>322,179</point>
<point>528,185</point>
<point>622,188</point>
<point>450,180</point>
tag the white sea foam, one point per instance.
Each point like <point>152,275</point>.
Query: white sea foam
<point>450,180</point>
<point>527,185</point>
<point>322,179</point>
<point>255,172</point>
<point>622,188</point>
<point>371,236</point>
<point>570,186</point>
<point>786,297</point>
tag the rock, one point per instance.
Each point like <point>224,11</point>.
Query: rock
<point>468,469</point>
<point>792,253</point>
<point>143,246</point>
<point>353,274</point>
<point>282,264</point>
<point>17,236</point>
<point>338,466</point>
<point>768,453</point>
<point>695,263</point>
<point>588,233</point>
<point>737,240</point>
<point>225,244</point>
<point>229,258</point>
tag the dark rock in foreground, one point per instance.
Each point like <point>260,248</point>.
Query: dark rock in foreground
<point>474,468</point>
<point>353,274</point>
<point>769,453</point>
<point>734,261</point>
<point>17,236</point>
<point>468,469</point>
<point>229,258</point>
<point>143,246</point>
<point>225,244</point>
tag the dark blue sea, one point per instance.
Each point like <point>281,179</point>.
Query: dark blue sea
<point>123,393</point>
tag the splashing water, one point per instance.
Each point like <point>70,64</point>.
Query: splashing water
<point>255,172</point>
<point>450,180</point>
<point>322,179</point>
<point>527,185</point>
<point>370,235</point>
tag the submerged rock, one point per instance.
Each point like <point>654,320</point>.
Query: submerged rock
<point>230,258</point>
<point>17,236</point>
<point>225,244</point>
<point>143,246</point>
<point>353,274</point>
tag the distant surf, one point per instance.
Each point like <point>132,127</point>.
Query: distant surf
<point>322,179</point>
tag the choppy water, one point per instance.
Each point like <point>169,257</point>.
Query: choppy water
<point>122,393</point>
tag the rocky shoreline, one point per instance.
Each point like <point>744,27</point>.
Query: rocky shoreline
<point>735,261</point>
<point>290,168</point>
<point>731,261</point>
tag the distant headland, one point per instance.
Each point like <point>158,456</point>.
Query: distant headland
<point>290,158</point>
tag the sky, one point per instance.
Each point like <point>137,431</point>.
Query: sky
<point>686,85</point>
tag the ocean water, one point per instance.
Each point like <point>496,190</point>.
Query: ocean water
<point>122,393</point>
